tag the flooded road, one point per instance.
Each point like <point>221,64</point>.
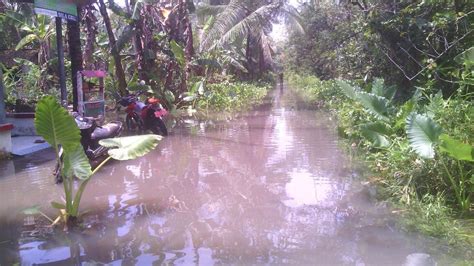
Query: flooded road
<point>271,187</point>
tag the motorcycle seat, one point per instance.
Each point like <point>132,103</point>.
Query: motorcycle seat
<point>109,130</point>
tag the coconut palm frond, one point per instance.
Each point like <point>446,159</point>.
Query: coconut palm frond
<point>235,61</point>
<point>265,44</point>
<point>231,15</point>
<point>204,10</point>
<point>295,21</point>
<point>255,23</point>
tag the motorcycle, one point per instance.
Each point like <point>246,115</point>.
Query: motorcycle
<point>91,134</point>
<point>142,116</point>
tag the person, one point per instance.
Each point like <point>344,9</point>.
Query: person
<point>280,77</point>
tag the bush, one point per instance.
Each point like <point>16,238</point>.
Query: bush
<point>231,96</point>
<point>419,186</point>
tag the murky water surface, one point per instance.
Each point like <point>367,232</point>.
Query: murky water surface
<point>271,187</point>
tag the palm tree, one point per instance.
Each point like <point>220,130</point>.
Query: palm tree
<point>246,24</point>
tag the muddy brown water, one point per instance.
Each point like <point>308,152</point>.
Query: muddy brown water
<point>270,187</point>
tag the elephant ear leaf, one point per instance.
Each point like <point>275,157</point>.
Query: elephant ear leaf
<point>456,149</point>
<point>376,105</point>
<point>55,125</point>
<point>380,89</point>
<point>423,133</point>
<point>77,164</point>
<point>127,148</point>
<point>350,91</point>
<point>377,133</point>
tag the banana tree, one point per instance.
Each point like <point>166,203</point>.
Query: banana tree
<point>426,137</point>
<point>119,72</point>
<point>59,129</point>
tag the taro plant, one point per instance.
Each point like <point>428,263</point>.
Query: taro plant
<point>59,129</point>
<point>378,103</point>
<point>425,136</point>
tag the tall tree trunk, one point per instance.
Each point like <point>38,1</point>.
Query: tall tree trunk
<point>122,84</point>
<point>261,62</point>
<point>189,51</point>
<point>248,56</point>
<point>75,53</point>
<point>189,48</point>
<point>91,31</point>
<point>139,45</point>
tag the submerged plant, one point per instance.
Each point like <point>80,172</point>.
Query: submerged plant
<point>59,129</point>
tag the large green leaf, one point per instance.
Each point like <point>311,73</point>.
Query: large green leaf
<point>423,133</point>
<point>376,105</point>
<point>456,149</point>
<point>76,163</point>
<point>127,148</point>
<point>404,110</point>
<point>26,40</point>
<point>350,91</point>
<point>178,52</point>
<point>377,133</point>
<point>55,125</point>
<point>379,89</point>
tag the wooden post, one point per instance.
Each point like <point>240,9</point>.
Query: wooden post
<point>75,53</point>
<point>2,99</point>
<point>62,75</point>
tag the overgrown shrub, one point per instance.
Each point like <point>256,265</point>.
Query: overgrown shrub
<point>226,95</point>
<point>419,186</point>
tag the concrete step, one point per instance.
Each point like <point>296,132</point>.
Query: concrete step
<point>23,145</point>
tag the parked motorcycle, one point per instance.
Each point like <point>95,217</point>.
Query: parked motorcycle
<point>142,116</point>
<point>91,134</point>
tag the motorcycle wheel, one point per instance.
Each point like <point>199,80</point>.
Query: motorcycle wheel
<point>159,127</point>
<point>134,123</point>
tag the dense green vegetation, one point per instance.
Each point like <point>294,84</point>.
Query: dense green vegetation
<point>415,182</point>
<point>407,100</point>
<point>167,46</point>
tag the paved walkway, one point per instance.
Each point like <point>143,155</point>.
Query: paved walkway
<point>23,145</point>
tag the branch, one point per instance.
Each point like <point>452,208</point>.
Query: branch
<point>425,67</point>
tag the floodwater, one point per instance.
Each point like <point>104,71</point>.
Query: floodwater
<point>270,187</point>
